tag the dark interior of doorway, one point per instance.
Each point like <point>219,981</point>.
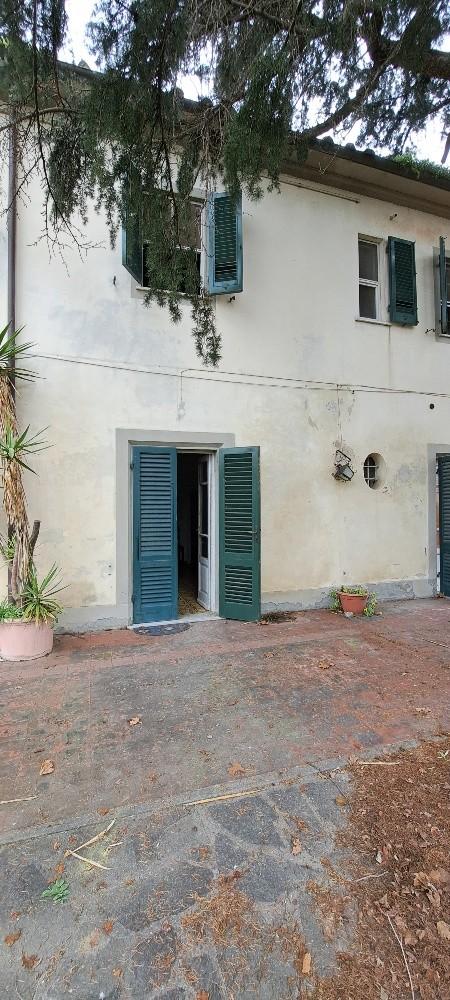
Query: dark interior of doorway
<point>187,517</point>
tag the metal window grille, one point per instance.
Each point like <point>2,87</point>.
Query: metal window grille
<point>370,471</point>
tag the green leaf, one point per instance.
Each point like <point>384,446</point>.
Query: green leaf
<point>58,891</point>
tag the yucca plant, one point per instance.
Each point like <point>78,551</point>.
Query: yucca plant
<point>11,353</point>
<point>7,548</point>
<point>37,601</point>
<point>13,444</point>
<point>9,612</point>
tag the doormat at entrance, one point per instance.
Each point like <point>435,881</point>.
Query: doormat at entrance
<point>162,629</point>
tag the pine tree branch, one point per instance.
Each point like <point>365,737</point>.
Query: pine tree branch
<point>434,63</point>
<point>30,115</point>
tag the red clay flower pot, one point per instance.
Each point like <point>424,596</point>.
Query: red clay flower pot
<point>355,603</point>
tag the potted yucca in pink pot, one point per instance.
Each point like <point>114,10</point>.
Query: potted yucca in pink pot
<point>30,610</point>
<point>26,627</point>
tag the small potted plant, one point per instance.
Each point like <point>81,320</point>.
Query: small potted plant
<point>354,601</point>
<point>26,628</point>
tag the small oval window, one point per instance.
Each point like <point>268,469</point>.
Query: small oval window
<point>374,471</point>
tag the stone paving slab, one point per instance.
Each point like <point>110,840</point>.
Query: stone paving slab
<point>162,863</point>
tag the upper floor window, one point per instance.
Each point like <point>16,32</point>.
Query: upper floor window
<point>387,281</point>
<point>447,275</point>
<point>369,282</point>
<point>190,243</point>
<point>209,249</point>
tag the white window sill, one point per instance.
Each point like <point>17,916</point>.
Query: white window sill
<point>374,322</point>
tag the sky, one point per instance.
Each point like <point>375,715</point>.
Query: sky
<point>430,146</point>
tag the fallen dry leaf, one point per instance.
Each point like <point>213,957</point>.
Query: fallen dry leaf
<point>134,721</point>
<point>11,939</point>
<point>232,877</point>
<point>47,767</point>
<point>296,845</point>
<point>340,800</point>
<point>103,811</point>
<point>443,930</point>
<point>236,770</point>
<point>421,880</point>
<point>60,868</point>
<point>203,853</point>
<point>202,995</point>
<point>324,665</point>
<point>56,845</point>
<point>439,876</point>
<point>29,961</point>
<point>117,973</point>
<point>190,976</point>
<point>107,926</point>
<point>306,964</point>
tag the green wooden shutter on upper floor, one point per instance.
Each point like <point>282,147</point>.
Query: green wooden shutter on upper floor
<point>402,282</point>
<point>225,265</point>
<point>443,288</point>
<point>239,534</point>
<point>132,249</point>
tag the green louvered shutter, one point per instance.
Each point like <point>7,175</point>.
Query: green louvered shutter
<point>444,523</point>
<point>443,288</point>
<point>225,267</point>
<point>239,534</point>
<point>132,249</point>
<point>402,281</point>
<point>155,548</point>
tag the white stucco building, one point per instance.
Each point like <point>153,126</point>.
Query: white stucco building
<point>337,342</point>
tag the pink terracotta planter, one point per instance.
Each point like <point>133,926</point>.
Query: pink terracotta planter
<point>354,603</point>
<point>25,640</point>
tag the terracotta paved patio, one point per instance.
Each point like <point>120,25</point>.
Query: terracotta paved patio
<point>287,703</point>
<point>271,697</point>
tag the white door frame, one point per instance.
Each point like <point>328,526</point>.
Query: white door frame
<point>204,561</point>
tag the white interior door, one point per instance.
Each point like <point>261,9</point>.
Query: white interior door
<point>204,540</point>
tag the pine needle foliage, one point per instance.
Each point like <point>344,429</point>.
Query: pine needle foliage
<point>276,75</point>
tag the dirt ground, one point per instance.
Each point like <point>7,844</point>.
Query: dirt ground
<point>400,818</point>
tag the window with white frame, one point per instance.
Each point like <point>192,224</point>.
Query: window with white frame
<point>369,278</point>
<point>447,270</point>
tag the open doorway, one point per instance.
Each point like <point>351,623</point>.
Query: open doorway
<point>196,517</point>
<point>194,536</point>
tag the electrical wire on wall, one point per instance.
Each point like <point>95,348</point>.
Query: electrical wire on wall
<point>240,378</point>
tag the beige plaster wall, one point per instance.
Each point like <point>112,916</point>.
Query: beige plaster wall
<point>289,341</point>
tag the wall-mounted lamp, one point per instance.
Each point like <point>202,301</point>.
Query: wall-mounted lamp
<point>343,467</point>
